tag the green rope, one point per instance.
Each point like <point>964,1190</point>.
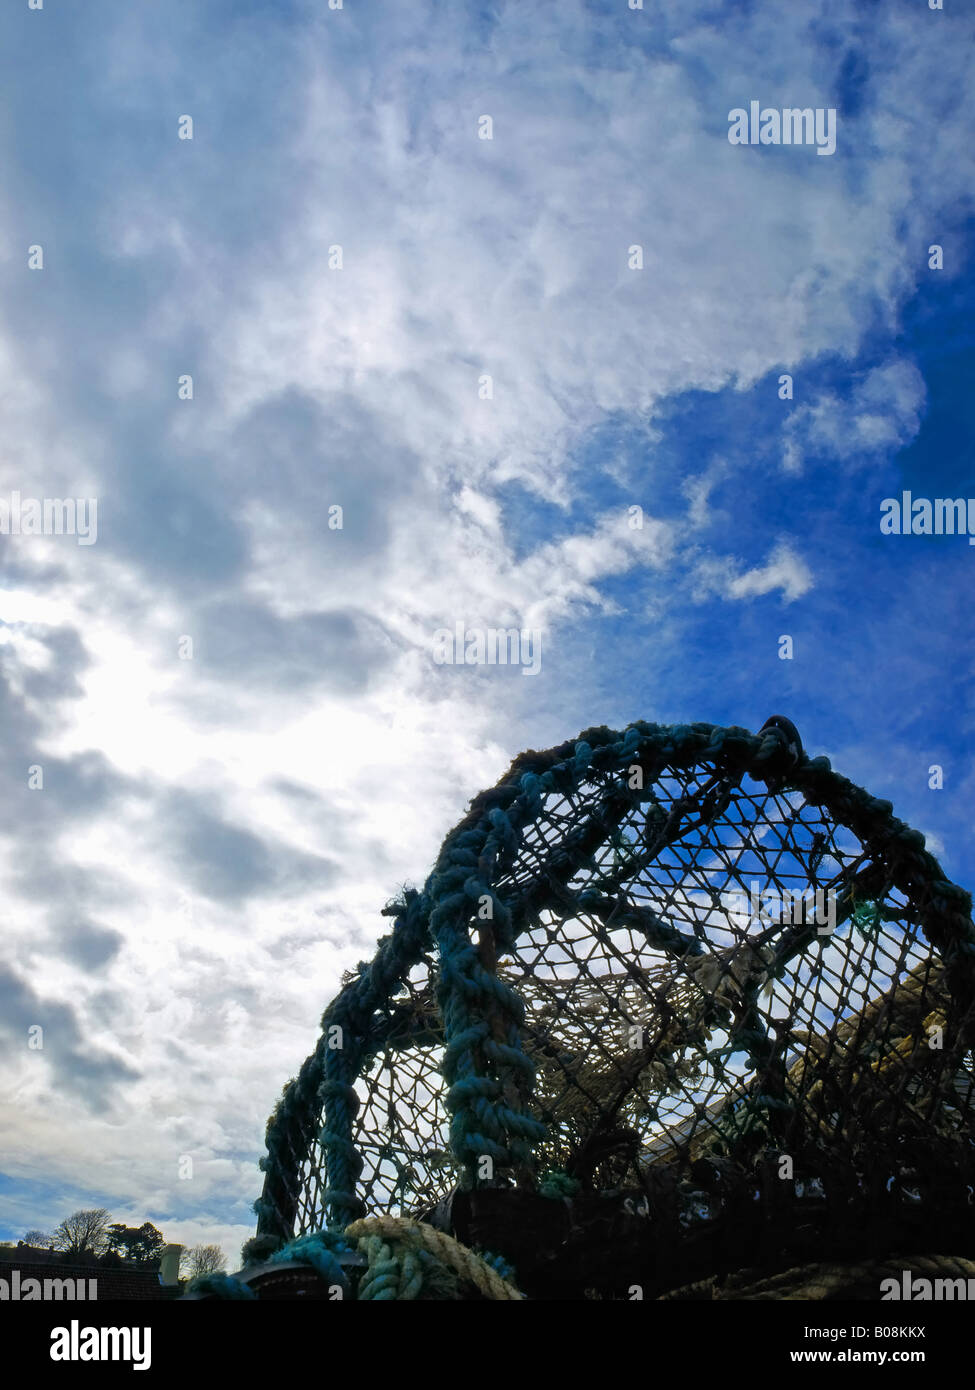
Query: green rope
<point>220,1286</point>
<point>390,1276</point>
<point>558,1185</point>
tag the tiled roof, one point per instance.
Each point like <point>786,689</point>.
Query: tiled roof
<point>112,1283</point>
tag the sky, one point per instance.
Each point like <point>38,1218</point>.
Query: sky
<point>227,740</point>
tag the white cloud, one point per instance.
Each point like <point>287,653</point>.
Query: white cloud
<point>881,413</point>
<point>784,570</point>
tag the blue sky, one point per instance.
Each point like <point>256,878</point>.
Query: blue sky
<point>215,837</point>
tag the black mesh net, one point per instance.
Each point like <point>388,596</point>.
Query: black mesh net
<point>730,1002</point>
<point>634,1038</point>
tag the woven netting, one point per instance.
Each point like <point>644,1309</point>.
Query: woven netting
<point>662,961</point>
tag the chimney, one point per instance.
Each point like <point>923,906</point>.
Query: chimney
<point>169,1264</point>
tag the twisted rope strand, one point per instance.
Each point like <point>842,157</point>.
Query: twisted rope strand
<point>418,1235</point>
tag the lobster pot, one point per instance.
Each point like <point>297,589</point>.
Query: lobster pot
<point>673,1002</point>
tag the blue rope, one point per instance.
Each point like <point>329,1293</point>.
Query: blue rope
<point>320,1251</point>
<point>220,1286</point>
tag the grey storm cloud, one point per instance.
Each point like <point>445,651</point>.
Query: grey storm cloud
<point>228,862</point>
<point>79,1068</point>
<point>47,882</point>
<point>339,651</point>
<point>180,533</point>
<point>295,449</point>
<point>73,787</point>
<point>68,660</point>
<point>89,945</point>
<point>297,456</point>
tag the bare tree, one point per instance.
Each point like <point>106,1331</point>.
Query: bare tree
<point>38,1239</point>
<point>202,1259</point>
<point>84,1233</point>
